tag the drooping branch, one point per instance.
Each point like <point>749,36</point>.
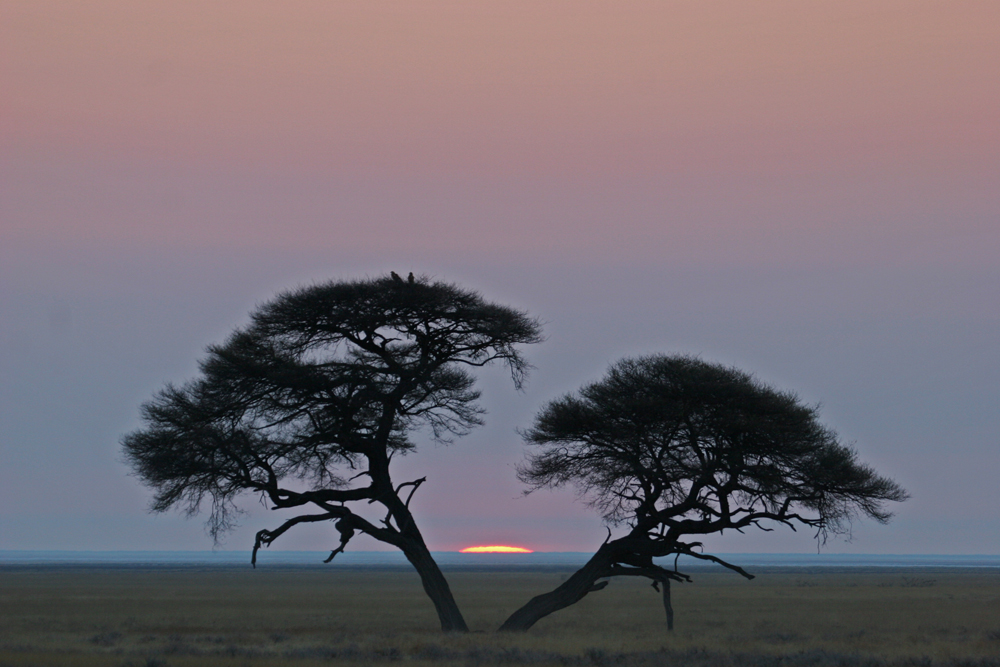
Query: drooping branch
<point>346,531</point>
<point>266,537</point>
<point>655,573</point>
<point>687,550</point>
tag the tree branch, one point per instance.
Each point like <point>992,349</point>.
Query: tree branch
<point>266,537</point>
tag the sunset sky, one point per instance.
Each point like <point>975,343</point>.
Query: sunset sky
<point>810,191</point>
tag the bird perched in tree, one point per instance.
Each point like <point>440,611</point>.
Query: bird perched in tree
<point>395,277</point>
<point>410,279</point>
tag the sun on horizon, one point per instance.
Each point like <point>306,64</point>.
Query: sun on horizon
<point>495,549</point>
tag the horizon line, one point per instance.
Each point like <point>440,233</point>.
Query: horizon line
<point>445,551</point>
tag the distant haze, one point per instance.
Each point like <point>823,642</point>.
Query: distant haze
<point>806,190</point>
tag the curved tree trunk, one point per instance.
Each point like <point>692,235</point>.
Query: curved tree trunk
<point>409,540</point>
<point>435,585</point>
<point>572,591</point>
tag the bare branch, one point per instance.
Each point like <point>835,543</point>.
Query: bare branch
<point>266,537</point>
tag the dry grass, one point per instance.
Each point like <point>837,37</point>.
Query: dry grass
<point>174,617</point>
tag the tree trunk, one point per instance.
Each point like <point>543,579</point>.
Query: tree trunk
<point>666,604</point>
<point>412,544</point>
<point>573,590</point>
<point>435,585</point>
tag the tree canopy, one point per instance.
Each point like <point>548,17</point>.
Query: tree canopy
<point>307,405</point>
<point>673,448</point>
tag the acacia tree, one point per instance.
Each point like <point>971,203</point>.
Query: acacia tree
<point>675,448</point>
<point>307,405</point>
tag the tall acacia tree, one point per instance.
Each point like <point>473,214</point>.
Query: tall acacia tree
<point>308,404</point>
<point>674,448</point>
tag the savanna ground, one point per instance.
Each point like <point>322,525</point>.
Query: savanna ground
<point>159,616</point>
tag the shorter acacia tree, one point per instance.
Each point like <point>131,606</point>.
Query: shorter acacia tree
<point>675,448</point>
<point>307,406</point>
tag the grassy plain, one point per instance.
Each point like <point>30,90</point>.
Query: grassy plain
<point>304,616</point>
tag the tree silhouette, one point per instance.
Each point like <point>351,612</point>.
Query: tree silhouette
<point>675,448</point>
<point>308,404</point>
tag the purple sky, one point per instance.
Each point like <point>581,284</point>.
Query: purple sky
<point>808,191</point>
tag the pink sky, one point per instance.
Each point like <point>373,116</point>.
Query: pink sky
<point>806,189</point>
<point>508,88</point>
<point>691,106</point>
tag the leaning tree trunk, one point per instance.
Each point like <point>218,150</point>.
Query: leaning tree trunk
<point>667,606</point>
<point>411,542</point>
<point>572,591</point>
<point>435,585</point>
